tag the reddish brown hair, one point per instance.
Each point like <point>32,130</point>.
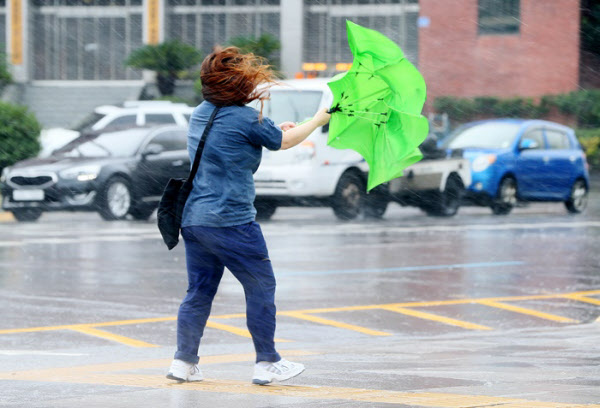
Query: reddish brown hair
<point>230,77</point>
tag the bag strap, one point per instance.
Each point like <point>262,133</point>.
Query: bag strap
<point>201,146</point>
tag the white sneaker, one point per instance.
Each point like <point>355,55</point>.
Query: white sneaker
<point>182,371</point>
<point>266,372</point>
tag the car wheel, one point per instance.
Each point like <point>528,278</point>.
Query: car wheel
<point>348,198</point>
<point>448,201</point>
<point>142,212</point>
<point>376,203</point>
<point>577,201</point>
<point>27,214</point>
<point>115,199</point>
<point>507,197</point>
<point>264,210</point>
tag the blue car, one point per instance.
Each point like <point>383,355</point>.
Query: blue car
<point>522,160</point>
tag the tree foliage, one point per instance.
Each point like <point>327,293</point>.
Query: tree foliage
<point>168,60</point>
<point>5,77</point>
<point>19,134</point>
<point>266,46</point>
<point>584,105</point>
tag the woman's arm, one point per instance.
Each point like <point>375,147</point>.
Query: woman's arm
<point>296,135</point>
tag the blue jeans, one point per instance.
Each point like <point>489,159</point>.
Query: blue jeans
<point>242,249</point>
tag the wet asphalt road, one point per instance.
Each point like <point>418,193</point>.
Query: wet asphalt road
<point>472,311</point>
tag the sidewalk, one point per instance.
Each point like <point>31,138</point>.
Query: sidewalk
<point>595,180</point>
<point>6,216</point>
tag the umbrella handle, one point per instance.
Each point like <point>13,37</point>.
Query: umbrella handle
<point>336,108</point>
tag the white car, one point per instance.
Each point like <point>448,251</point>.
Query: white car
<point>315,174</point>
<point>105,117</point>
<point>311,174</point>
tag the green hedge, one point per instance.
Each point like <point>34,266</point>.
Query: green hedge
<point>5,77</point>
<point>590,140</point>
<point>19,134</point>
<point>583,105</point>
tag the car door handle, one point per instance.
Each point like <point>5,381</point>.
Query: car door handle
<point>546,159</point>
<point>177,163</point>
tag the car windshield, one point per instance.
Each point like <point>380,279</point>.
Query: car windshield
<point>290,105</point>
<point>484,136</point>
<point>113,144</point>
<point>86,123</point>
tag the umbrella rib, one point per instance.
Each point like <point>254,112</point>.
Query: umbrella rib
<point>345,103</point>
<point>367,112</point>
<point>363,117</point>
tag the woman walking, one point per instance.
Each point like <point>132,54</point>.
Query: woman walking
<point>218,225</point>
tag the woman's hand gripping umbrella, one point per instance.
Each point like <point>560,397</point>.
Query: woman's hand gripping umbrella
<point>377,105</point>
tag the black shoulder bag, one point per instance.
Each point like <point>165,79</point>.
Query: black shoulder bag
<point>170,208</point>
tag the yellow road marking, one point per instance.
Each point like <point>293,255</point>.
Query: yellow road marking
<point>236,330</point>
<point>581,298</point>
<point>102,324</point>
<point>89,329</point>
<point>435,303</point>
<point>119,374</point>
<point>111,336</point>
<point>334,323</point>
<point>424,400</point>
<point>6,217</point>
<point>135,321</point>
<point>526,311</point>
<point>136,365</point>
<point>437,318</point>
<point>37,329</point>
<point>574,295</point>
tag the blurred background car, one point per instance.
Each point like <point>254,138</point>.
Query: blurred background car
<point>107,117</point>
<point>115,173</point>
<point>522,160</point>
<point>316,174</point>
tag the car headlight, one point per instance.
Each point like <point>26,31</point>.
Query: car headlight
<point>4,175</point>
<point>482,162</point>
<point>305,151</point>
<point>80,173</point>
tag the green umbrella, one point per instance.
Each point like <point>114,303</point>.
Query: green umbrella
<point>377,105</point>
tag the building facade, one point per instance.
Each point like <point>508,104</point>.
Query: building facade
<point>88,40</point>
<point>463,47</point>
<point>506,48</point>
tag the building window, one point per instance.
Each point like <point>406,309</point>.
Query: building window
<point>499,16</point>
<point>325,37</point>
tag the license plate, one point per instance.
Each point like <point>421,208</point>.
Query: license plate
<point>28,195</point>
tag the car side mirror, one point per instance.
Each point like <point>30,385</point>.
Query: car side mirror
<point>528,144</point>
<point>325,128</point>
<point>152,149</point>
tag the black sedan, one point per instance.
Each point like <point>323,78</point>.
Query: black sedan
<point>116,173</point>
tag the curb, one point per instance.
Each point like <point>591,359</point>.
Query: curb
<point>6,217</point>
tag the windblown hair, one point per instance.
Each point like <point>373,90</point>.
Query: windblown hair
<point>230,77</point>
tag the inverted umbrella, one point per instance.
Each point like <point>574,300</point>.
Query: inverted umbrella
<point>377,105</point>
